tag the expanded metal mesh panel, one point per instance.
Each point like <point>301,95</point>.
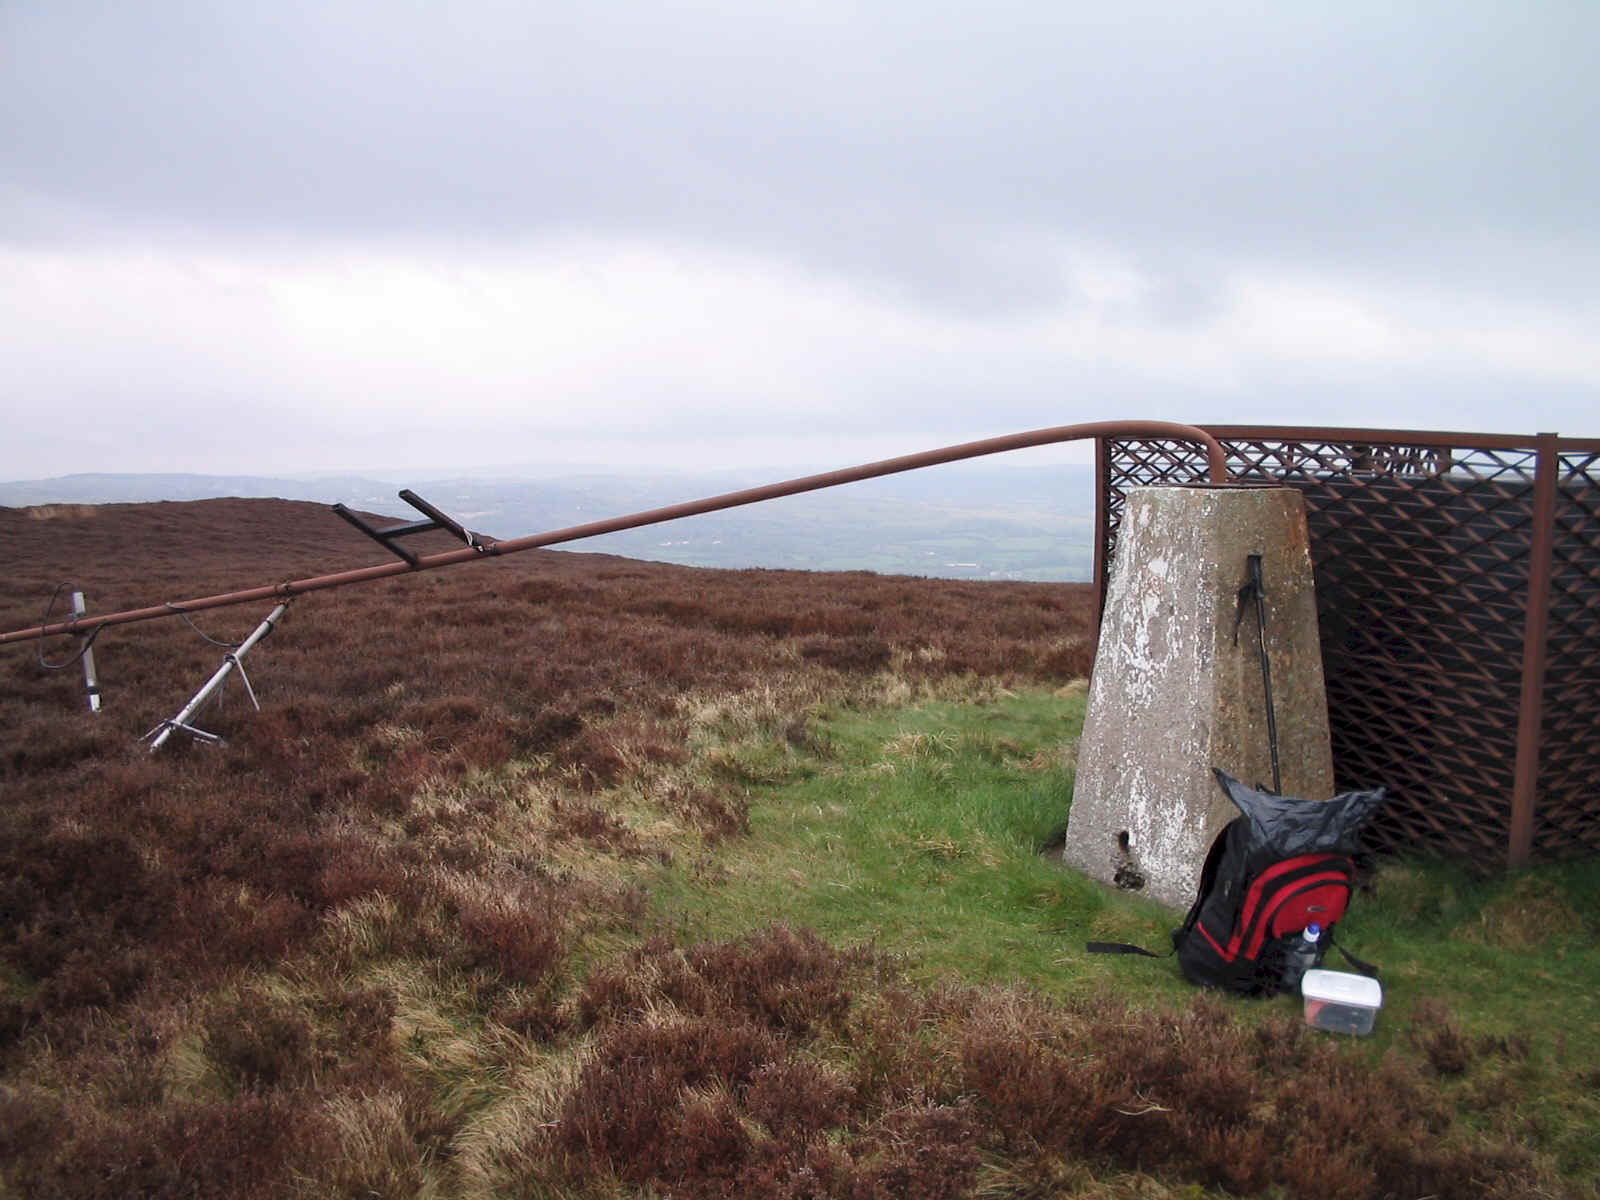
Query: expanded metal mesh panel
<point>1567,820</point>
<point>1423,560</point>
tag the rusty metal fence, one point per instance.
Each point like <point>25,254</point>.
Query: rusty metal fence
<point>1458,588</point>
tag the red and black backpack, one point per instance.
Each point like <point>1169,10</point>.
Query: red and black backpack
<point>1251,910</point>
<point>1280,866</point>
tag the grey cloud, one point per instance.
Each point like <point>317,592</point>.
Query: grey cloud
<point>914,145</point>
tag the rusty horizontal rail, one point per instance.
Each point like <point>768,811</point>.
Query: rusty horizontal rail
<point>1216,463</point>
<point>1304,434</point>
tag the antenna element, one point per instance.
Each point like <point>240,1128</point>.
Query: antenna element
<point>437,519</point>
<point>230,663</point>
<point>90,679</point>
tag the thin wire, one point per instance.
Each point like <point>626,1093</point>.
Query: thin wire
<point>82,650</point>
<point>184,613</point>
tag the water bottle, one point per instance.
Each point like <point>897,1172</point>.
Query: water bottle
<point>1302,957</point>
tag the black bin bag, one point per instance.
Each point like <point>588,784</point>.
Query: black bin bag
<point>1285,826</point>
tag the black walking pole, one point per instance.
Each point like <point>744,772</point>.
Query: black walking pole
<point>1254,587</point>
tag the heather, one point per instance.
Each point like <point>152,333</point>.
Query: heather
<point>567,875</point>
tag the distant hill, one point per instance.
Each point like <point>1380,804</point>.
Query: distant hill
<point>143,489</point>
<point>964,521</point>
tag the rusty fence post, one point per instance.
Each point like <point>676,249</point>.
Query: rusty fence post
<point>1102,524</point>
<point>1530,712</point>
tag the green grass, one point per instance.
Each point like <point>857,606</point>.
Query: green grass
<point>921,831</point>
<point>918,830</point>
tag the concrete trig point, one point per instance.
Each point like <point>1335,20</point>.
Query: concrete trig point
<point>1172,694</point>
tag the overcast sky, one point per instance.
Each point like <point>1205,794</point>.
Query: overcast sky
<point>332,234</point>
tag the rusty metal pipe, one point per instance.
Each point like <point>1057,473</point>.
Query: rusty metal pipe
<point>1535,653</point>
<point>1216,463</point>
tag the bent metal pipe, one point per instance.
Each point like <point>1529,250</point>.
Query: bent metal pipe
<point>1216,467</point>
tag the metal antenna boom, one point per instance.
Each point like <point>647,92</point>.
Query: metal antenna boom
<point>1216,471</point>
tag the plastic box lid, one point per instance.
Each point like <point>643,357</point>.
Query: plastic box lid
<point>1341,987</point>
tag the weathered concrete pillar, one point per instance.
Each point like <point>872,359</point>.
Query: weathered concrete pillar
<point>1172,695</point>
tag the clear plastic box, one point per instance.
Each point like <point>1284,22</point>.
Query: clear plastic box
<point>1341,1002</point>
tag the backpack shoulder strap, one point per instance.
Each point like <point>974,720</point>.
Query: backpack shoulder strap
<point>1208,875</point>
<point>1208,878</point>
<point>1123,948</point>
<point>1365,968</point>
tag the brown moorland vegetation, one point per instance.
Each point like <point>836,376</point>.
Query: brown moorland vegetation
<point>394,939</point>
